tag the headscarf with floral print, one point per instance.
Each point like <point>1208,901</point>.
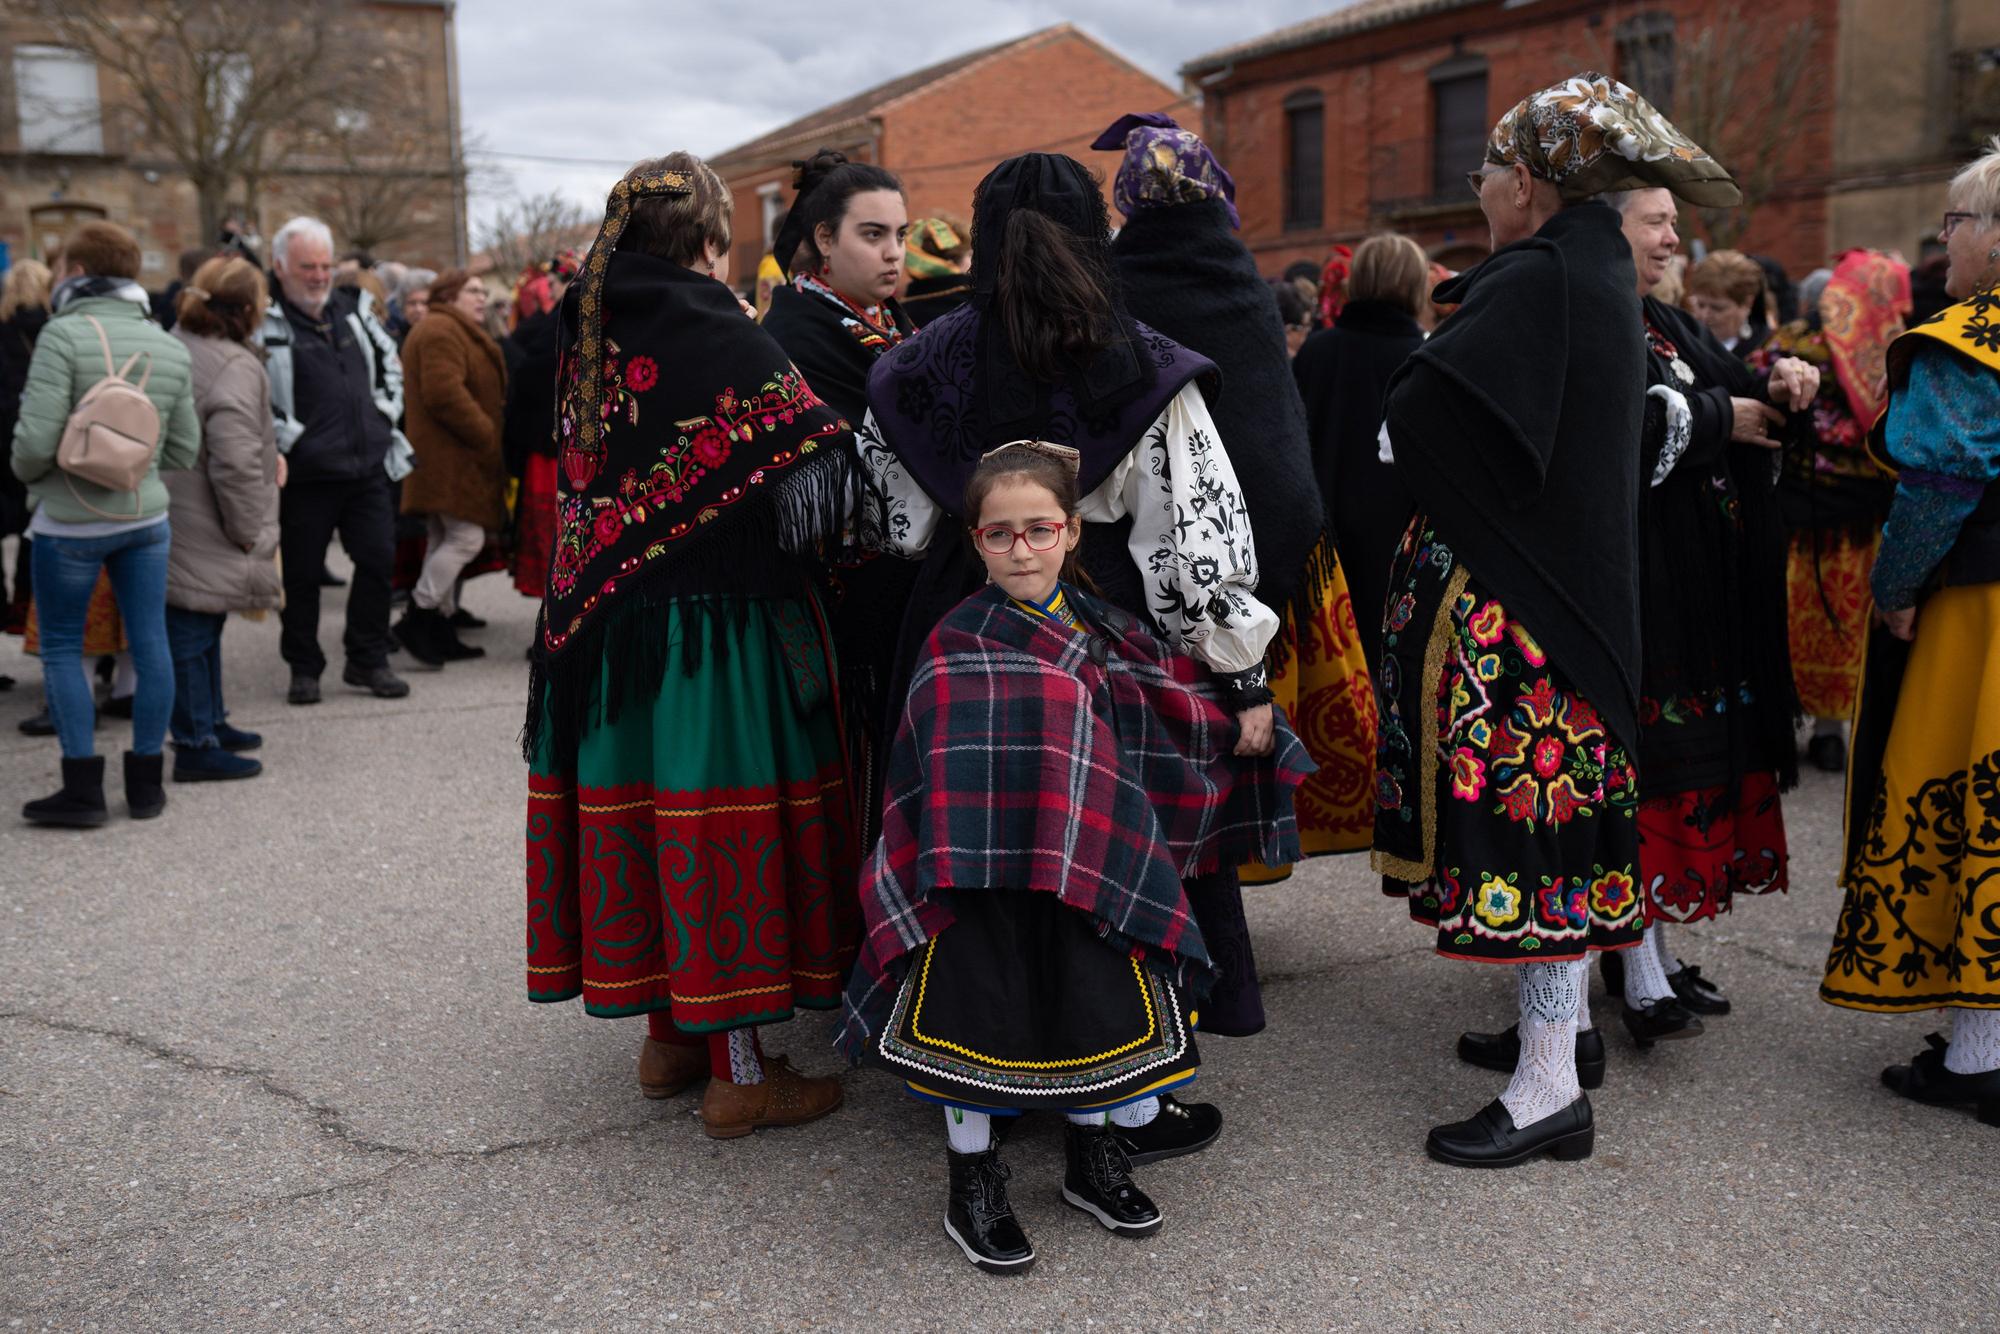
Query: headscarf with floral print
<point>1590,135</point>
<point>1862,311</point>
<point>1164,164</point>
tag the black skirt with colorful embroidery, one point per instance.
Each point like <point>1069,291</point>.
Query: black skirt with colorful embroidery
<point>1504,807</point>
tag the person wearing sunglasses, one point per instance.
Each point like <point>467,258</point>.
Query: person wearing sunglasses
<point>1922,858</point>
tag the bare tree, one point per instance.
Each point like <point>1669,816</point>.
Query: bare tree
<point>1739,84</point>
<point>376,168</point>
<point>531,228</point>
<point>225,89</point>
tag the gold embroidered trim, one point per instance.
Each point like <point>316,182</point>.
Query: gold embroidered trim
<point>1427,745</point>
<point>916,1017</point>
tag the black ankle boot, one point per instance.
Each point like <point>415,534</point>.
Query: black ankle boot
<point>1099,1182</point>
<point>979,1218</point>
<point>145,796</point>
<point>80,804</point>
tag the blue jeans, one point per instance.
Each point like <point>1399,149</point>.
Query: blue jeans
<point>65,572</point>
<point>195,639</point>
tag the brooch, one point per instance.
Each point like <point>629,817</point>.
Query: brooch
<point>1682,371</point>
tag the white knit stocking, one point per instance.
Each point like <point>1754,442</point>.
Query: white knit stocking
<point>1544,1080</point>
<point>1583,1000</point>
<point>1135,1114</point>
<point>1668,959</point>
<point>1645,977</point>
<point>968,1131</point>
<point>1975,1042</point>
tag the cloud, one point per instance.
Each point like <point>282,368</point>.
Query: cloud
<point>564,94</point>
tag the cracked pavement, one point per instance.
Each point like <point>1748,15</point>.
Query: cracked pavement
<point>266,1063</point>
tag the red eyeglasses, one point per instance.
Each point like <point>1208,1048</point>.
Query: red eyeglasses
<point>999,539</point>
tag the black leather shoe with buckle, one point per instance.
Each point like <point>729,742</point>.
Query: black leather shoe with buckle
<point>980,1219</point>
<point>1700,995</point>
<point>1659,1021</point>
<point>1180,1128</point>
<point>1099,1182</point>
<point>1926,1080</point>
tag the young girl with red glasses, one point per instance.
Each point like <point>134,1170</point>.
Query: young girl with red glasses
<point>1057,771</point>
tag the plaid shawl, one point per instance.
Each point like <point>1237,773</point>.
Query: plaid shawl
<point>1092,766</point>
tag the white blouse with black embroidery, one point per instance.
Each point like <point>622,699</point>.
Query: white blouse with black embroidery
<point>1190,534</point>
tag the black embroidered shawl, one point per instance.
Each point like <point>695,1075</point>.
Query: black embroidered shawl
<point>835,357</point>
<point>692,457</point>
<point>1516,426</point>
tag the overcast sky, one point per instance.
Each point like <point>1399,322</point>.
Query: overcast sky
<point>595,85</point>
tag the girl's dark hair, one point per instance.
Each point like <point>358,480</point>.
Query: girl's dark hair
<point>1023,465</point>
<point>1053,296</point>
<point>823,186</point>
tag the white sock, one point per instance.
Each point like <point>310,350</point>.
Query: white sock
<point>1135,1114</point>
<point>744,1067</point>
<point>124,677</point>
<point>1085,1118</point>
<point>1975,1041</point>
<point>1583,1001</point>
<point>968,1131</point>
<point>1544,1079</point>
<point>1645,977</point>
<point>1658,934</point>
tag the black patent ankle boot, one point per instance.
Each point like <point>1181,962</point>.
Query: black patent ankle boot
<point>1099,1182</point>
<point>979,1218</point>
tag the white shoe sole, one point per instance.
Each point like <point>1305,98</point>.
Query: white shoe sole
<point>1122,1229</point>
<point>989,1265</point>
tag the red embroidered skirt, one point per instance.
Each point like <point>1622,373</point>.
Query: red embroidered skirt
<point>535,526</point>
<point>700,857</point>
<point>1698,850</point>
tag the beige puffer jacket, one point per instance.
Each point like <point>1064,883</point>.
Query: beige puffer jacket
<point>229,499</point>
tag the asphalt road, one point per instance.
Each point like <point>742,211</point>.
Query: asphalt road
<point>267,1063</point>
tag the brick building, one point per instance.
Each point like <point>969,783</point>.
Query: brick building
<point>1369,117</point>
<point>942,128</point>
<point>70,151</point>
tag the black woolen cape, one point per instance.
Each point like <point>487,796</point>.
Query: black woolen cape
<point>1182,270</point>
<point>528,426</point>
<point>1713,603</point>
<point>1515,427</point>
<point>1343,377</point>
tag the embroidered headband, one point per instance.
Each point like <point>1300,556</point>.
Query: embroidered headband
<point>1070,459</point>
<point>590,306</point>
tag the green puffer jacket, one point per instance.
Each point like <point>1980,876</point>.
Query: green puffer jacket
<point>68,361</point>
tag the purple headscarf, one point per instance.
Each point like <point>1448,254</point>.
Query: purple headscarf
<point>1164,164</point>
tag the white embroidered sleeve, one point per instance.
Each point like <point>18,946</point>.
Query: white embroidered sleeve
<point>909,517</point>
<point>1191,540</point>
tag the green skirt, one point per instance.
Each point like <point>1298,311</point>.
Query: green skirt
<point>698,855</point>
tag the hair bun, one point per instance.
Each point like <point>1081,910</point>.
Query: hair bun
<point>809,172</point>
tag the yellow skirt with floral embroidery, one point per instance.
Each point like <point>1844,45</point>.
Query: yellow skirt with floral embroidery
<point>1326,691</point>
<point>1920,926</point>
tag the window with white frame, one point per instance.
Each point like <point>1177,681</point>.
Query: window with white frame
<point>772,199</point>
<point>55,91</point>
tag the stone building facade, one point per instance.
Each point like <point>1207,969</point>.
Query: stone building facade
<point>1369,117</point>
<point>68,154</point>
<point>944,127</point>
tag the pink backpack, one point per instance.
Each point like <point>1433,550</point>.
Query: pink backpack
<point>113,432</point>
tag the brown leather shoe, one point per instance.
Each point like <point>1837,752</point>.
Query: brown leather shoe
<point>665,1069</point>
<point>785,1098</point>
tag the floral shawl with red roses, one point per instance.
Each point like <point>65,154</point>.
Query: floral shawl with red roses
<point>693,462</point>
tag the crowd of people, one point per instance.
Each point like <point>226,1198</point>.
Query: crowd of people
<point>951,659</point>
<point>405,410</point>
<point>943,629</point>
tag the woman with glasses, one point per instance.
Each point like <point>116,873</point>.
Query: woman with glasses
<point>455,396</point>
<point>1921,925</point>
<point>1045,351</point>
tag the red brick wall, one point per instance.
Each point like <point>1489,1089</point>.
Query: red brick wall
<point>1054,94</point>
<point>1377,97</point>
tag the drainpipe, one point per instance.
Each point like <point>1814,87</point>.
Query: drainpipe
<point>453,131</point>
